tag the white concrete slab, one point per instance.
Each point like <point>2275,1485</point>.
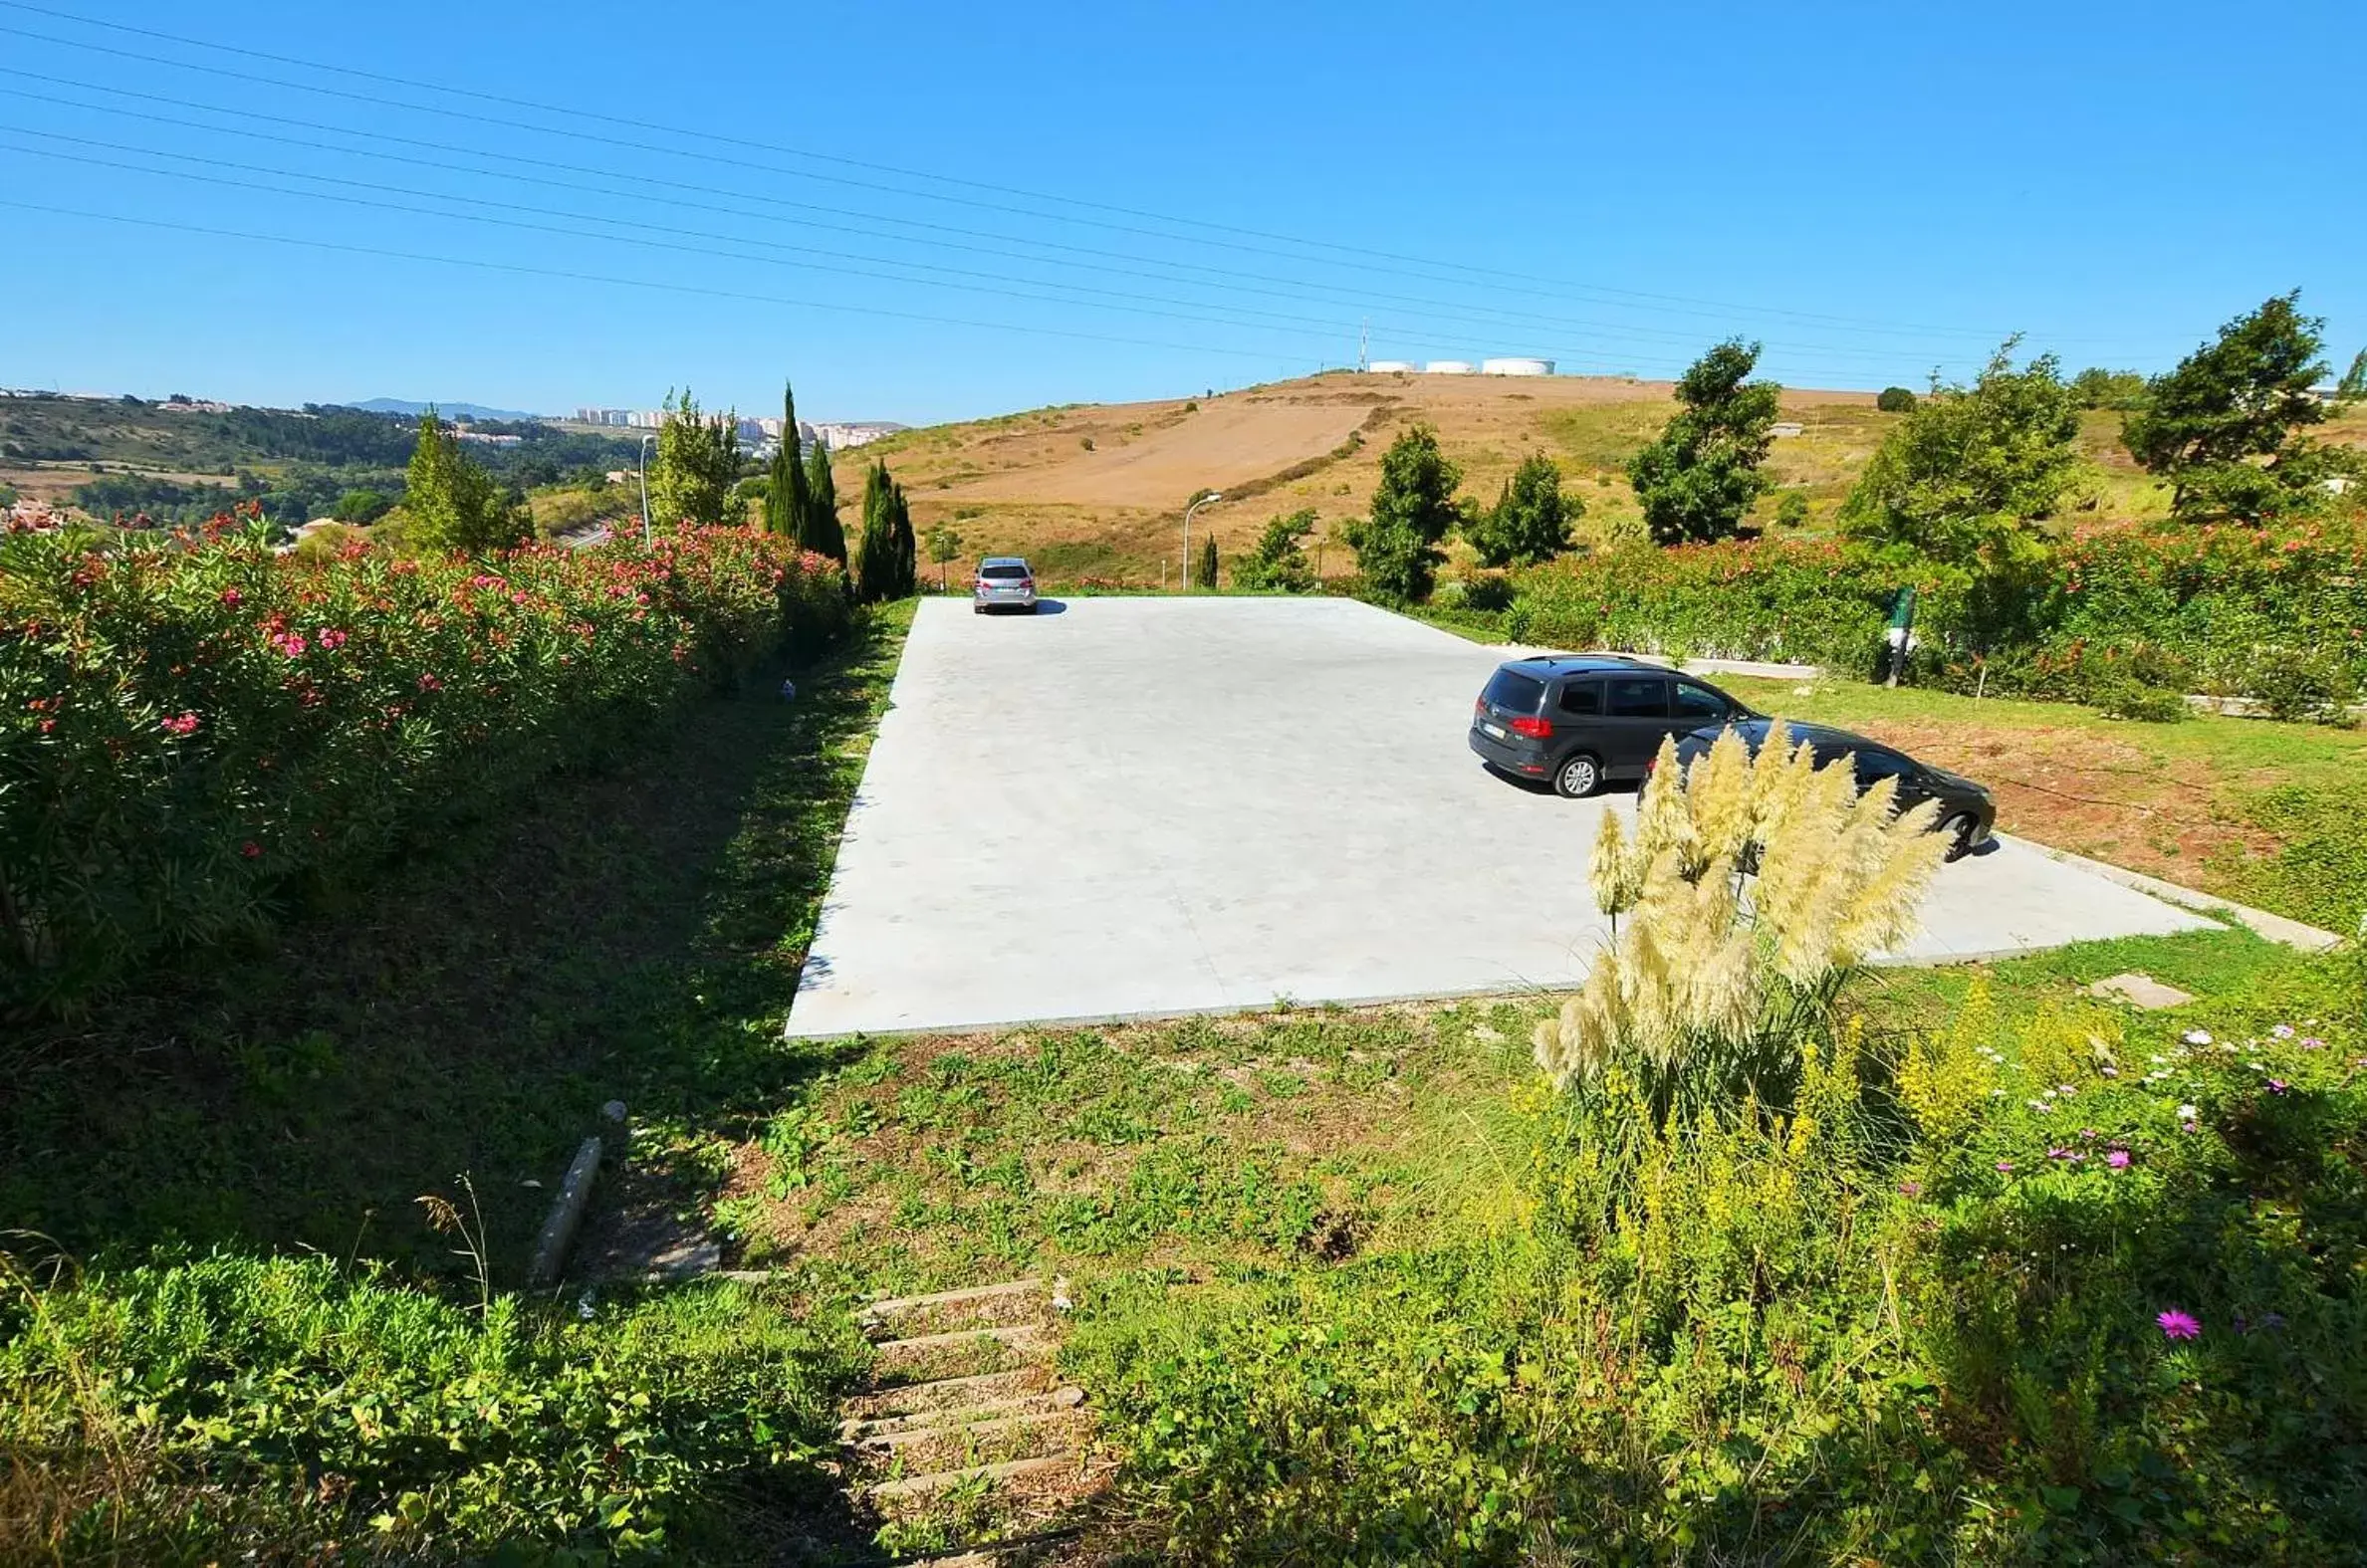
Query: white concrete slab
<point>1163,805</point>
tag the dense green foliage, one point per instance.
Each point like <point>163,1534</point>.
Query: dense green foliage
<point>362,505</point>
<point>2223,426</point>
<point>2038,1289</point>
<point>821,506</point>
<point>1971,468</point>
<point>1203,564</point>
<point>1698,478</point>
<point>945,547</point>
<point>1792,510</point>
<point>190,1411</point>
<point>788,509</point>
<point>452,503</point>
<point>886,565</point>
<point>697,464</point>
<point>1894,399</point>
<point>186,726</point>
<point>1275,564</point>
<point>1413,508</point>
<point>2095,387</point>
<point>1531,519</point>
<point>2231,611</point>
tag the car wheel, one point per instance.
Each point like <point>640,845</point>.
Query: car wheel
<point>977,608</point>
<point>1960,830</point>
<point>1579,776</point>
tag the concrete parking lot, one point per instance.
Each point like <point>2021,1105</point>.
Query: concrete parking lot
<point>1136,806</point>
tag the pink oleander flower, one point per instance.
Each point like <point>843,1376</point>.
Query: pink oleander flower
<point>2005,1165</point>
<point>231,597</point>
<point>2118,1158</point>
<point>2179,1325</point>
<point>2279,1086</point>
<point>186,724</point>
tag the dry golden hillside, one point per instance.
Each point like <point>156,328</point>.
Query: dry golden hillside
<point>1099,490</point>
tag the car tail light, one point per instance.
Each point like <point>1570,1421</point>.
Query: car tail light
<point>1534,729</point>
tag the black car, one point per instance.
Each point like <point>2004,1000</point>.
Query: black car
<point>1966,814</point>
<point>1580,721</point>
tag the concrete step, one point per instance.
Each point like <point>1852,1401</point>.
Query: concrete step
<point>961,1352</point>
<point>936,1482</point>
<point>990,1306</point>
<point>1033,1434</point>
<point>862,1430</point>
<point>917,1398</point>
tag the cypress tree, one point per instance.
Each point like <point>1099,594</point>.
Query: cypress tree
<point>908,549</point>
<point>1206,576</point>
<point>876,566</point>
<point>821,506</point>
<point>785,503</point>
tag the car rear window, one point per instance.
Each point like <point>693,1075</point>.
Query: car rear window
<point>1000,573</point>
<point>1509,689</point>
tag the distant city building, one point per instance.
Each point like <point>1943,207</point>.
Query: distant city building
<point>488,440</point>
<point>863,432</point>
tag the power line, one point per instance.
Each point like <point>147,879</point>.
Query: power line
<point>792,152</point>
<point>568,276</point>
<point>1196,309</point>
<point>1303,291</point>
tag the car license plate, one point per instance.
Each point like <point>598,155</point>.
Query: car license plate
<point>1495,730</point>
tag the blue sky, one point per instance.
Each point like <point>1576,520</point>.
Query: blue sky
<point>935,211</point>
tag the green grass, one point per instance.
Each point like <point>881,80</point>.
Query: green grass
<point>637,937</point>
<point>2250,809</point>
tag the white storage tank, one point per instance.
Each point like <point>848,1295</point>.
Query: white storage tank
<point>1517,365</point>
<point>1448,367</point>
<point>1392,368</point>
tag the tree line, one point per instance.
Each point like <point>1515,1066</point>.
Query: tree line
<point>1972,471</point>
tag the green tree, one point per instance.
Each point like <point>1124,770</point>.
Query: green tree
<point>1412,510</point>
<point>945,544</point>
<point>699,460</point>
<point>1792,510</point>
<point>1698,480</point>
<point>1972,466</point>
<point>2353,386</point>
<point>2222,424</point>
<point>1276,562</point>
<point>824,536</point>
<point>2095,387</point>
<point>452,503</point>
<point>1894,399</point>
<point>884,568</point>
<point>788,509</point>
<point>364,506</point>
<point>1531,519</point>
<point>1204,570</point>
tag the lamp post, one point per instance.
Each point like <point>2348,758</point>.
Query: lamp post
<point>1204,500</point>
<point>645,539</point>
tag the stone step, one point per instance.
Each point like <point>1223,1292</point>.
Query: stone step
<point>912,1399</point>
<point>894,1306</point>
<point>862,1430</point>
<point>961,1352</point>
<point>1034,1435</point>
<point>1004,1305</point>
<point>930,1484</point>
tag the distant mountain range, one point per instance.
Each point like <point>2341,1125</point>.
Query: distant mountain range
<point>471,411</point>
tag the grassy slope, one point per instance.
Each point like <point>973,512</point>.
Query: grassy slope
<point>2249,808</point>
<point>637,938</point>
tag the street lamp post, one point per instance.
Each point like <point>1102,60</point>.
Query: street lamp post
<point>1204,500</point>
<point>645,539</point>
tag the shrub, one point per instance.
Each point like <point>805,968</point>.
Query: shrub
<point>1895,400</point>
<point>2301,685</point>
<point>1531,519</point>
<point>2132,700</point>
<point>1276,562</point>
<point>296,1400</point>
<point>189,728</point>
<point>1792,510</point>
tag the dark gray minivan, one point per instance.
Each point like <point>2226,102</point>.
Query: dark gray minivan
<point>1583,719</point>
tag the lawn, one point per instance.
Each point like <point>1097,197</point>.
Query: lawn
<point>2247,808</point>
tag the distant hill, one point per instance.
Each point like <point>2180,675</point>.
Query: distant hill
<point>469,411</point>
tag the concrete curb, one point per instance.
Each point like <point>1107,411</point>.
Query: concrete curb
<point>567,1214</point>
<point>1755,667</point>
<point>2276,927</point>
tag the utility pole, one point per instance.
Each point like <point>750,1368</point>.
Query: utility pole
<point>1365,346</point>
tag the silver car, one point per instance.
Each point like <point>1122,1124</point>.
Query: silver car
<point>1002,581</point>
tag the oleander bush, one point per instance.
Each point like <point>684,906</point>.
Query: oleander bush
<point>199,1411</point>
<point>191,728</point>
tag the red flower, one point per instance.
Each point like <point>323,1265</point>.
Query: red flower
<point>251,850</point>
<point>186,724</point>
<point>231,597</point>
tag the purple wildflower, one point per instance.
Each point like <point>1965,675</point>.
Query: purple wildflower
<point>2005,1165</point>
<point>1911,1189</point>
<point>2179,1325</point>
<point>2278,1086</point>
<point>2118,1158</point>
<point>2283,1031</point>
